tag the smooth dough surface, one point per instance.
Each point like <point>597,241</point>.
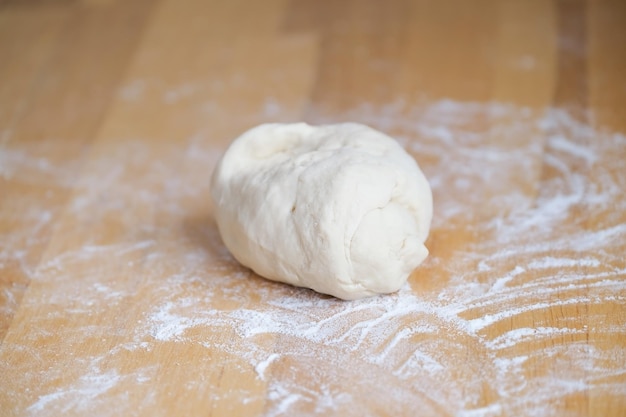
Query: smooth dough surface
<point>341,209</point>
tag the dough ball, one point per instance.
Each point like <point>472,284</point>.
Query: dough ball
<point>341,209</point>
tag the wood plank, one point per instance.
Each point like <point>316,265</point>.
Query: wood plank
<point>57,97</point>
<point>606,96</point>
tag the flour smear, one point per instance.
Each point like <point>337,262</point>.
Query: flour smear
<point>542,190</point>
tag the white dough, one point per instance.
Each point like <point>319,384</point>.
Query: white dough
<point>341,209</point>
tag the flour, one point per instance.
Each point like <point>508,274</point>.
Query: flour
<point>79,395</point>
<point>527,334</point>
<point>559,246</point>
<point>263,365</point>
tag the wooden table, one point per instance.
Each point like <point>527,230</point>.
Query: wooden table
<point>117,297</point>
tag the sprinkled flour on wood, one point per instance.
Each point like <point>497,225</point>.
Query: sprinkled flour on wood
<point>560,244</point>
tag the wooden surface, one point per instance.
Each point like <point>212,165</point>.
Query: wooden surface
<point>117,296</point>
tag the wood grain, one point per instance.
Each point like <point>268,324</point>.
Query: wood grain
<point>117,296</point>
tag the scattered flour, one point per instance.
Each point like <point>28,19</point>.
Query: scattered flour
<point>540,249</point>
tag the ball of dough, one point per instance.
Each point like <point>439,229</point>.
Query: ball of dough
<point>341,209</point>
